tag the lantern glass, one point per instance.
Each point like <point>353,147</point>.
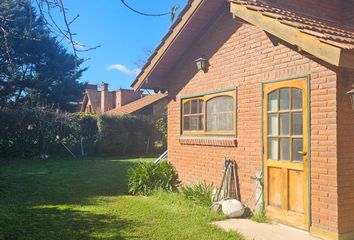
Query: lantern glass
<point>201,64</point>
<point>351,95</point>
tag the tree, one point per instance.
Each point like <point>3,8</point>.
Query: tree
<point>34,67</point>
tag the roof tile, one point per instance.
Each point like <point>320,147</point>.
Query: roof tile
<point>326,31</point>
<point>137,105</point>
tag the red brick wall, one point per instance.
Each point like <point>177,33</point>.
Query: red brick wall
<point>242,55</point>
<point>345,153</point>
<point>327,9</point>
<point>348,9</point>
<point>125,96</point>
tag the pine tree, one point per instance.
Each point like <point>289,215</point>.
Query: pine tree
<point>34,67</point>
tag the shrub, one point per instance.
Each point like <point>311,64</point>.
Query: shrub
<point>31,132</point>
<point>148,177</point>
<point>120,135</point>
<point>160,134</point>
<point>201,193</point>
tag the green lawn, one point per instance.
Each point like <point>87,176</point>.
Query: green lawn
<point>87,199</point>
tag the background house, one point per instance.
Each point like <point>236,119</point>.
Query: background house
<point>153,106</point>
<point>273,97</point>
<point>100,101</point>
<point>123,101</point>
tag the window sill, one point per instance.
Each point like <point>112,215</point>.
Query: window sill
<point>222,141</point>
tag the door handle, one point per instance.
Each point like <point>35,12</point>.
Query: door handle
<point>302,153</point>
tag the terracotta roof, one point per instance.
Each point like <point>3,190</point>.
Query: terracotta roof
<point>325,31</point>
<point>137,105</point>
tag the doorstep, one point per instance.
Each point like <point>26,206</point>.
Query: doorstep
<point>262,231</point>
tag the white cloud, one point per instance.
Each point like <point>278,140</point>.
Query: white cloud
<point>124,69</point>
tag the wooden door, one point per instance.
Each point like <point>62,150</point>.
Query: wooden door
<point>286,182</point>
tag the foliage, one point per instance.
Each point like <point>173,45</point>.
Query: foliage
<point>200,193</point>
<point>86,199</point>
<point>35,69</point>
<point>160,133</point>
<point>148,177</point>
<point>120,135</point>
<point>260,217</point>
<point>32,132</point>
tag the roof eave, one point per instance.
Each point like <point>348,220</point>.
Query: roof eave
<point>326,52</point>
<point>162,48</point>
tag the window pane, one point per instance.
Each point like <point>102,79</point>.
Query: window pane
<point>194,106</point>
<point>284,98</point>
<point>201,122</point>
<point>273,148</point>
<point>297,123</point>
<point>201,103</point>
<point>273,101</point>
<point>229,122</point>
<point>273,124</point>
<point>186,123</point>
<point>194,123</point>
<point>186,108</point>
<point>284,124</point>
<point>220,114</point>
<point>296,98</point>
<point>297,146</point>
<point>284,149</point>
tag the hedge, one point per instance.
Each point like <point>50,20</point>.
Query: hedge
<point>35,132</point>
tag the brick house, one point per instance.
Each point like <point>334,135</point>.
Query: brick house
<point>122,102</point>
<point>152,106</point>
<point>272,97</point>
<point>95,101</point>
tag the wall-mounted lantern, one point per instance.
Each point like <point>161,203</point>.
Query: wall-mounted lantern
<point>202,64</point>
<point>351,95</point>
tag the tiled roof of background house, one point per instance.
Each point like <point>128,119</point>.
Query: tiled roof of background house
<point>325,31</point>
<point>137,105</point>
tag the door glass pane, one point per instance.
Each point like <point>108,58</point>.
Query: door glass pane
<point>273,148</point>
<point>273,124</point>
<point>194,106</point>
<point>284,98</point>
<point>186,107</point>
<point>296,98</point>
<point>284,149</point>
<point>186,124</point>
<point>297,123</point>
<point>273,101</point>
<point>297,146</point>
<point>284,124</point>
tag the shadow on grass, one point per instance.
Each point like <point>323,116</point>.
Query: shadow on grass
<point>33,187</point>
<point>54,223</point>
<point>65,181</point>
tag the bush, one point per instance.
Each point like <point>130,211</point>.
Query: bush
<point>160,134</point>
<point>32,132</point>
<point>148,177</point>
<point>201,193</point>
<point>120,135</point>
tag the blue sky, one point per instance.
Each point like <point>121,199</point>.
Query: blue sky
<point>125,36</point>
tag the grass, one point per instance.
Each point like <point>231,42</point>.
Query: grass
<point>87,199</point>
<point>260,217</point>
